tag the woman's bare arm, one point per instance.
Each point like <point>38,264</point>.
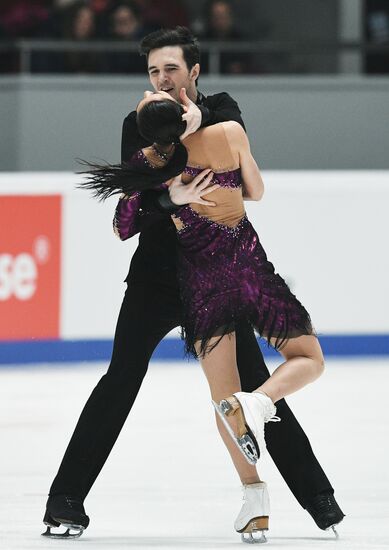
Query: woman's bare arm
<point>252,183</point>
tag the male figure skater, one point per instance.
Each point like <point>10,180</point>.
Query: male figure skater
<point>151,308</point>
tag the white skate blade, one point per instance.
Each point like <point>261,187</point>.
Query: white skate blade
<point>242,443</point>
<point>67,534</point>
<point>249,538</point>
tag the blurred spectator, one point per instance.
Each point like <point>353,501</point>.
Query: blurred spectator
<point>377,33</point>
<point>21,19</point>
<point>102,10</point>
<point>80,26</point>
<point>63,4</point>
<point>126,25</point>
<point>126,22</point>
<point>220,21</point>
<point>100,6</point>
<point>24,19</point>
<point>163,13</point>
<point>220,25</point>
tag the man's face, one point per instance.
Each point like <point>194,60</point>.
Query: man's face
<point>168,72</point>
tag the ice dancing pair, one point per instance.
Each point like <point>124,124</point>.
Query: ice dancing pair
<point>224,275</point>
<point>226,286</point>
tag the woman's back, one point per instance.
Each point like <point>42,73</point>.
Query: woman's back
<point>215,147</point>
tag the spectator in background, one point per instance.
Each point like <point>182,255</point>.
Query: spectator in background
<point>100,6</point>
<point>102,10</point>
<point>163,13</point>
<point>377,34</point>
<point>126,22</point>
<point>64,4</point>
<point>220,21</point>
<point>80,26</point>
<point>24,19</point>
<point>126,25</point>
<point>220,25</point>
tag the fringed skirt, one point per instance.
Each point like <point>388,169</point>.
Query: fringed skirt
<point>225,278</point>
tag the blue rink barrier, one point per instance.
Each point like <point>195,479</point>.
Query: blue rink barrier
<point>171,349</point>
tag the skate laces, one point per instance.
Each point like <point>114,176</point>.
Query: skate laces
<point>269,408</point>
<point>272,416</point>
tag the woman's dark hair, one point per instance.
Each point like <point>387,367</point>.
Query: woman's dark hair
<point>161,121</point>
<point>179,36</point>
<point>158,121</point>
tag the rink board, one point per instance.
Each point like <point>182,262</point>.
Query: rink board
<point>62,269</point>
<point>171,349</point>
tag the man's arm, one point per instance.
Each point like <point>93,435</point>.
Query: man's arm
<point>220,108</point>
<point>211,110</point>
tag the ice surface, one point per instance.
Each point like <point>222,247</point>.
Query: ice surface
<point>169,482</point>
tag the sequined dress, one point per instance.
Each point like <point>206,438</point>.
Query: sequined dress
<point>223,271</point>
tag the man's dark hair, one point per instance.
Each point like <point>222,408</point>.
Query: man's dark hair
<point>161,121</point>
<point>179,36</point>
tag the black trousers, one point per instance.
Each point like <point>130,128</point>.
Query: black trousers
<point>147,314</point>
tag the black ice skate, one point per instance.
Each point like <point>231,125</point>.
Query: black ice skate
<point>68,512</point>
<point>326,512</point>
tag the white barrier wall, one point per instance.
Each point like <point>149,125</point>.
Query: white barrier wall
<point>325,232</point>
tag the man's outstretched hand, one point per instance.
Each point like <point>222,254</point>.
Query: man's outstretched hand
<point>192,115</point>
<point>181,193</point>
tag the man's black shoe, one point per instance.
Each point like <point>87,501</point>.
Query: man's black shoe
<point>66,511</point>
<point>325,511</point>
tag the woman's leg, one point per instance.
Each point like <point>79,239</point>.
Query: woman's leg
<point>304,364</point>
<point>220,368</point>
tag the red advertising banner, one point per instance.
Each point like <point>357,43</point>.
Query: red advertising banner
<point>30,232</point>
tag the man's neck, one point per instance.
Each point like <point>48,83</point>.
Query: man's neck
<point>193,95</point>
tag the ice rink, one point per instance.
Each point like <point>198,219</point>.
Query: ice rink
<point>169,482</point>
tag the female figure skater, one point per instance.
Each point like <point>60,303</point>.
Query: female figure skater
<point>224,277</point>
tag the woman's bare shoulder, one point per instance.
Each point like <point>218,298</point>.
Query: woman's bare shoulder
<point>232,126</point>
<point>229,130</point>
<point>229,127</point>
<point>235,133</point>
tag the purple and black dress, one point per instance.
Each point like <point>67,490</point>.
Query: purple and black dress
<point>223,272</point>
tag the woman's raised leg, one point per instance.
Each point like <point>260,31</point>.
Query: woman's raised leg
<point>304,363</point>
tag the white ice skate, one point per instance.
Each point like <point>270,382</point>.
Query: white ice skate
<point>251,410</point>
<point>253,519</point>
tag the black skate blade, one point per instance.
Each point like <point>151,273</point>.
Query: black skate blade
<point>67,534</point>
<point>254,440</point>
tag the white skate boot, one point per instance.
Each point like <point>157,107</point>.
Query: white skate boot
<point>251,410</point>
<point>253,519</point>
